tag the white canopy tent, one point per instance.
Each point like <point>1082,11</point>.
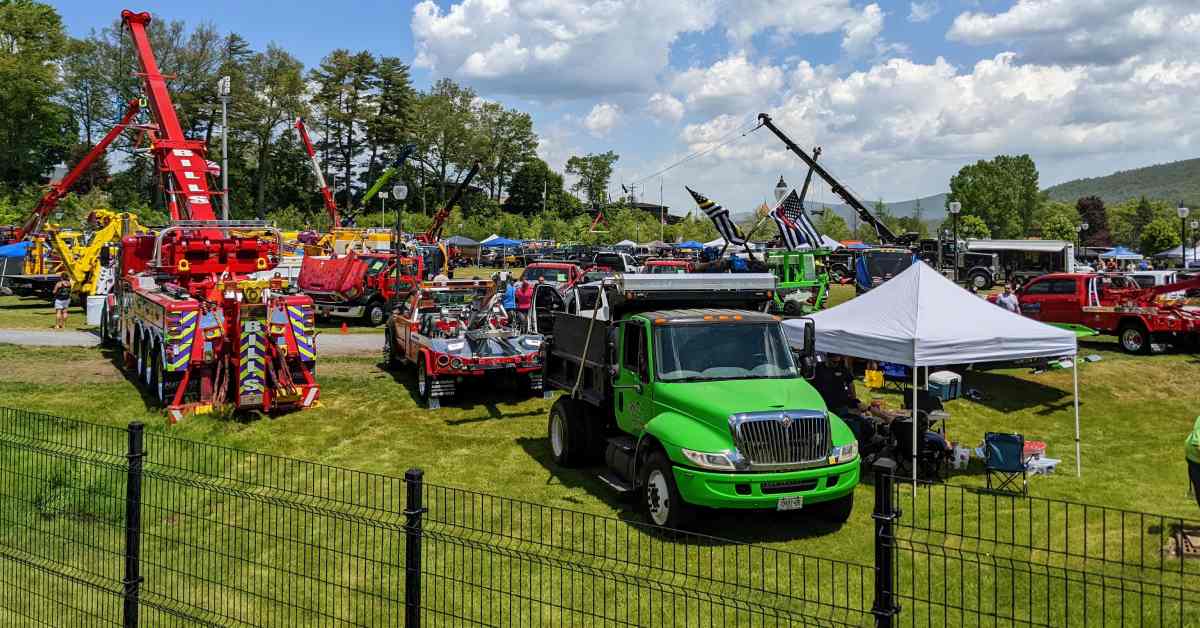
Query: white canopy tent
<point>920,318</point>
<point>719,242</point>
<point>626,243</point>
<point>1177,253</point>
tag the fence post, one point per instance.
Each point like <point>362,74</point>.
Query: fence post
<point>133,525</point>
<point>885,514</point>
<point>414,508</point>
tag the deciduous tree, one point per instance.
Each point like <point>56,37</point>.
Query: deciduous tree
<point>594,172</point>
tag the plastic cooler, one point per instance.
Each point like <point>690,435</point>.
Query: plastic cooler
<point>945,385</point>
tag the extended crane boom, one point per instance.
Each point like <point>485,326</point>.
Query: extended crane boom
<point>405,152</point>
<point>330,205</point>
<point>886,236</point>
<point>182,160</point>
<point>59,189</point>
<point>434,232</point>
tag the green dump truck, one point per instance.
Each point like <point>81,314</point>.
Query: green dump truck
<point>692,398</point>
<point>802,281</point>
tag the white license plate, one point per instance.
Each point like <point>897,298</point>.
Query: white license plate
<point>790,503</point>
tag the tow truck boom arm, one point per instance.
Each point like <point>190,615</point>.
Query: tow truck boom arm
<point>330,205</point>
<point>405,152</point>
<point>58,190</point>
<point>886,236</point>
<point>434,232</point>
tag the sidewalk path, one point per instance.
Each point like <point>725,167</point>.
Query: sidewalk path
<point>327,343</point>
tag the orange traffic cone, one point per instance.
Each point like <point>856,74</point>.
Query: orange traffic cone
<point>345,328</point>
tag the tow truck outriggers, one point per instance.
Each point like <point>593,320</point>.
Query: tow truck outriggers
<point>690,394</point>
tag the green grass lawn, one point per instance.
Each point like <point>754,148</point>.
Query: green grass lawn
<point>1135,414</point>
<point>17,312</point>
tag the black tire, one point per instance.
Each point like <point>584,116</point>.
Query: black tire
<point>837,510</point>
<point>982,280</point>
<point>106,339</point>
<point>424,383</point>
<point>155,379</point>
<point>791,308</point>
<point>567,433</point>
<point>375,314</point>
<point>1134,338</point>
<point>659,494</point>
<point>390,359</point>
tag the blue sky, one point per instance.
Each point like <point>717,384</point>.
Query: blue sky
<point>899,94</point>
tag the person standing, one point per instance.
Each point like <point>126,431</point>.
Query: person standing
<point>1191,450</point>
<point>510,295</point>
<point>62,300</point>
<point>525,298</point>
<point>1009,301</point>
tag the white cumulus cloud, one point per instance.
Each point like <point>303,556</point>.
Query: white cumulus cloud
<point>733,83</point>
<point>922,11</point>
<point>602,118</point>
<point>665,107</point>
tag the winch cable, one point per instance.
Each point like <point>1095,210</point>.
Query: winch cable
<point>735,135</point>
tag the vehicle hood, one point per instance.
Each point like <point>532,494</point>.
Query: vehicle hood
<point>714,402</point>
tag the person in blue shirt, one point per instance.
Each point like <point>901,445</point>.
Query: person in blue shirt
<point>510,296</point>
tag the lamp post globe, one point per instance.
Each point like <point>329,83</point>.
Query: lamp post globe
<point>1183,214</point>
<point>781,189</point>
<point>955,207</point>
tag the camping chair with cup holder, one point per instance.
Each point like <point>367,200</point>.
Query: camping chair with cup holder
<point>931,459</point>
<point>1004,457</point>
<point>929,407</point>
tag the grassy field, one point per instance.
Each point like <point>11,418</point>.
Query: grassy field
<point>1135,413</point>
<point>18,312</point>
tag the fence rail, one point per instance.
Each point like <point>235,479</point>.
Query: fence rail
<point>109,526</point>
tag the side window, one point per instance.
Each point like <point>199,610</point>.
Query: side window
<point>634,351</point>
<point>1041,287</point>
<point>1062,286</point>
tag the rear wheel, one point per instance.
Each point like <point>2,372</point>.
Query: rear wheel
<point>567,429</point>
<point>424,383</point>
<point>660,495</point>
<point>981,280</point>
<point>390,358</point>
<point>1134,338</point>
<point>156,375</point>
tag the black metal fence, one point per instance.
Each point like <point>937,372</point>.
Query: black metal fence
<point>109,526</point>
<point>971,557</point>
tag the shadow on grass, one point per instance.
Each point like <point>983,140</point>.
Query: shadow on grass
<point>714,526</point>
<point>116,355</point>
<point>1005,393</point>
<point>470,394</point>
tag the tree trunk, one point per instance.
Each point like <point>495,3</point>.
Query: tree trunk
<point>260,187</point>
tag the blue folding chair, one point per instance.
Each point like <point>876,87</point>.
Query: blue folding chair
<point>1004,457</point>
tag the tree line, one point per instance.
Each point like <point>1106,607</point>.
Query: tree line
<point>62,94</point>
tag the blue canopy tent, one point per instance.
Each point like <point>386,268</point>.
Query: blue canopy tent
<point>16,249</point>
<point>690,244</point>
<point>502,243</point>
<point>858,246</point>
<point>1121,253</point>
<point>12,258</point>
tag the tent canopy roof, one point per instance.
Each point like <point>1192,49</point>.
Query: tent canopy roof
<point>461,241</point>
<point>501,242</point>
<point>920,318</point>
<point>690,244</point>
<point>1120,252</point>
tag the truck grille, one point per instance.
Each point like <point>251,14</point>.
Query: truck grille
<point>782,439</point>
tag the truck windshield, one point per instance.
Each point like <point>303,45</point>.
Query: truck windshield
<point>887,263</point>
<point>686,353</point>
<point>553,275</point>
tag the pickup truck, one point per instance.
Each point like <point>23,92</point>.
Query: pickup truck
<point>357,286</point>
<point>1114,305</point>
<point>691,396</point>
<point>457,330</point>
<point>667,266</point>
<point>552,272</point>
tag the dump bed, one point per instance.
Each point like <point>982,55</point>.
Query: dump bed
<point>340,278</point>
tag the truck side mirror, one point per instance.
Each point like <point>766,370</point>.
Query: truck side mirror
<point>810,337</point>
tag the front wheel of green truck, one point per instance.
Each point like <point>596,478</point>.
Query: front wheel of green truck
<point>837,510</point>
<point>660,494</point>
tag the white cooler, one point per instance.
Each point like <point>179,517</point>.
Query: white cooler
<point>945,385</point>
<point>95,307</point>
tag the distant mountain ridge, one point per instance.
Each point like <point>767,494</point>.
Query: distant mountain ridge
<point>1173,181</point>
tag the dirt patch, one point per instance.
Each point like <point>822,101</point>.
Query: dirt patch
<point>82,371</point>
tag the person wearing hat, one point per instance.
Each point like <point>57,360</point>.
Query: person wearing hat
<point>62,300</point>
<point>1191,450</point>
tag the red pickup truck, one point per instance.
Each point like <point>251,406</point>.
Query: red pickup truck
<point>1115,305</point>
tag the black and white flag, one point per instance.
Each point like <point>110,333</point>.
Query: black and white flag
<point>720,217</point>
<point>794,224</point>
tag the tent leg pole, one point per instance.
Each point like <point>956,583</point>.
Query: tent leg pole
<point>915,425</point>
<point>1075,374</point>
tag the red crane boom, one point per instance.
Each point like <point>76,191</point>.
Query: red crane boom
<point>330,205</point>
<point>182,160</point>
<point>59,189</point>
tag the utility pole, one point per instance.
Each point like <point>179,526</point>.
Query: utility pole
<point>223,92</point>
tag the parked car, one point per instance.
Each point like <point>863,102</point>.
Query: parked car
<point>617,262</point>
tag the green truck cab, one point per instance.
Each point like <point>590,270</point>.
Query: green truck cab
<point>692,397</point>
<point>803,281</point>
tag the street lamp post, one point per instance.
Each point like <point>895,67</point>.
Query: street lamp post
<point>399,193</point>
<point>1183,214</point>
<point>1195,225</point>
<point>955,207</point>
<point>223,89</point>
<point>781,190</point>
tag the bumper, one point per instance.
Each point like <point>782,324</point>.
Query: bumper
<point>763,490</point>
<point>484,370</point>
<point>339,311</point>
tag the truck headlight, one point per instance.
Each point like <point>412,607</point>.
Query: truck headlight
<point>718,461</point>
<point>455,346</point>
<point>845,453</point>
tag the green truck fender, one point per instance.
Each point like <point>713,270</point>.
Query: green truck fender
<point>673,431</point>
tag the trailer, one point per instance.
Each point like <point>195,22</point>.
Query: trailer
<point>689,394</point>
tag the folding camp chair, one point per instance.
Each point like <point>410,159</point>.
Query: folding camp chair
<point>1003,456</point>
<point>931,460</point>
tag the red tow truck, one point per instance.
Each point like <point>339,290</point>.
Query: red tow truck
<point>358,285</point>
<point>1114,305</point>
<point>456,330</point>
<point>667,266</point>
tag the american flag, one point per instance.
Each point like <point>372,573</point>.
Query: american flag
<point>720,217</point>
<point>794,224</point>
